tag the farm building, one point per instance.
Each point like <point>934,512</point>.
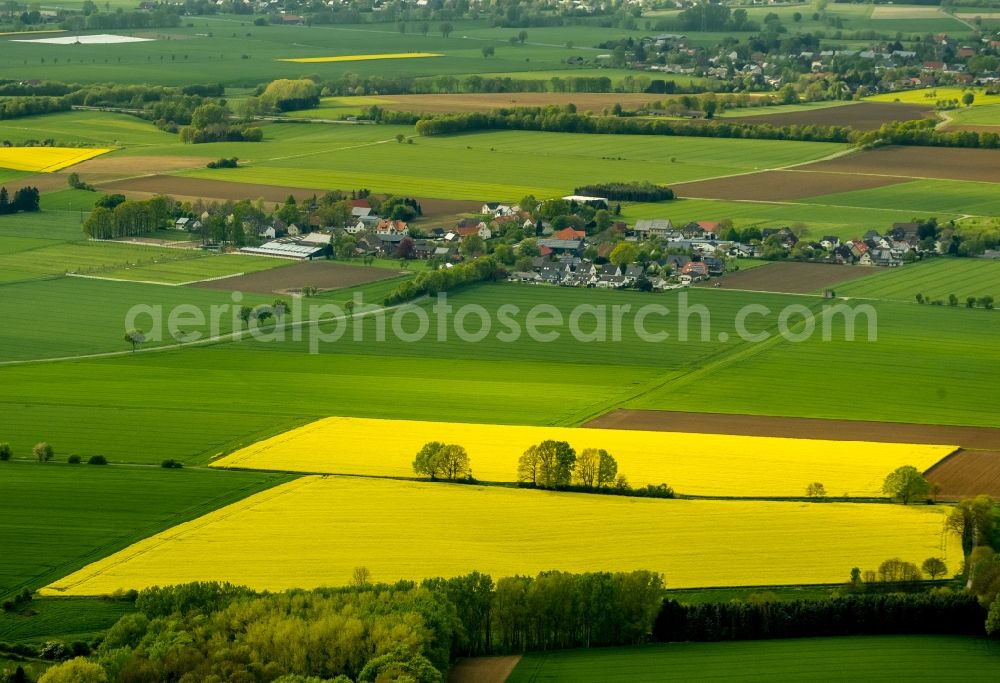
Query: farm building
<point>289,249</point>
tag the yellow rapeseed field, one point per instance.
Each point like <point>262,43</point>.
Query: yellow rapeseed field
<point>361,58</point>
<point>45,159</point>
<point>314,531</point>
<point>695,464</point>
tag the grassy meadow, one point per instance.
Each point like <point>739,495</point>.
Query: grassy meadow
<point>55,518</point>
<point>860,658</point>
<point>330,526</point>
<point>935,279</point>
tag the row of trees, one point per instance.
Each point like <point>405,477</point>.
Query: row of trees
<point>924,133</point>
<point>636,191</point>
<point>986,302</point>
<point>16,107</point>
<point>127,218</point>
<point>366,632</point>
<point>443,461</point>
<point>940,611</point>
<point>42,451</point>
<point>430,282</point>
<point>25,199</point>
<point>560,119</point>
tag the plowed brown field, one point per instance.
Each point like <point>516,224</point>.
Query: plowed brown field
<point>321,274</point>
<point>860,116</point>
<point>948,163</point>
<point>790,277</point>
<point>967,473</point>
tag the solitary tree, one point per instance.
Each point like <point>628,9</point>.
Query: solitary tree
<point>488,51</point>
<point>896,570</point>
<point>43,451</point>
<point>428,460</point>
<point>361,577</point>
<point>446,29</point>
<point>522,36</point>
<point>135,337</point>
<point>968,98</point>
<point>905,483</point>
<point>972,521</point>
<point>816,490</point>
<point>5,451</point>
<point>934,567</point>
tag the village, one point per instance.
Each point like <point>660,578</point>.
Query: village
<point>574,241</point>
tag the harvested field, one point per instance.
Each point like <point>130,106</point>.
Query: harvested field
<point>981,15</point>
<point>966,474</point>
<point>483,669</point>
<point>789,278</point>
<point>439,104</point>
<point>446,209</point>
<point>321,274</point>
<point>948,163</point>
<point>179,187</point>
<point>780,186</point>
<point>860,116</point>
<point>798,428</point>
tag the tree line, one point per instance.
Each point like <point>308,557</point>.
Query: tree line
<point>565,120</point>
<point>366,632</point>
<point>935,612</point>
<point>25,199</point>
<point>628,192</point>
<point>431,282</point>
<point>16,107</point>
<point>114,217</point>
<point>924,133</point>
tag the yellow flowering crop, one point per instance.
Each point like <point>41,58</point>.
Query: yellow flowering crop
<point>314,531</point>
<point>45,159</point>
<point>361,58</point>
<point>696,464</point>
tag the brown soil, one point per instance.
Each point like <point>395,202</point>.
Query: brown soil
<point>799,428</point>
<point>483,669</point>
<point>440,104</point>
<point>860,116</point>
<point>789,277</point>
<point>321,274</point>
<point>446,209</point>
<point>966,474</point>
<point>177,187</point>
<point>779,186</point>
<point>949,163</point>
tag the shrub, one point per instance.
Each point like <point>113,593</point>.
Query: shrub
<point>43,451</point>
<point>97,460</point>
<point>73,460</point>
<point>5,451</point>
<point>170,463</point>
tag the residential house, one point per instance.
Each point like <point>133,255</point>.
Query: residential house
<point>497,209</point>
<point>657,227</point>
<point>696,269</point>
<point>482,230</point>
<point>716,267</point>
<point>392,227</point>
<point>569,234</point>
<point>632,273</point>
<point>389,243</point>
<point>830,242</point>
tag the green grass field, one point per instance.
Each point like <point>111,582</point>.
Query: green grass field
<point>55,517</point>
<point>504,165</point>
<point>935,279</point>
<point>65,619</point>
<point>986,115</point>
<point>72,316</point>
<point>185,270</point>
<point>939,197</point>
<point>863,658</point>
<point>929,364</point>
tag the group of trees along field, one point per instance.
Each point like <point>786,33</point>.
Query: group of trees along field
<point>25,199</point>
<point>365,632</point>
<point>114,217</point>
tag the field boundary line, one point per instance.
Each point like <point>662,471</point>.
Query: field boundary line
<point>235,335</point>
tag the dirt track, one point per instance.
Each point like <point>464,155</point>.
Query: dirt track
<point>790,277</point>
<point>321,274</point>
<point>948,163</point>
<point>799,428</point>
<point>780,186</point>
<point>967,473</point>
<point>483,669</point>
